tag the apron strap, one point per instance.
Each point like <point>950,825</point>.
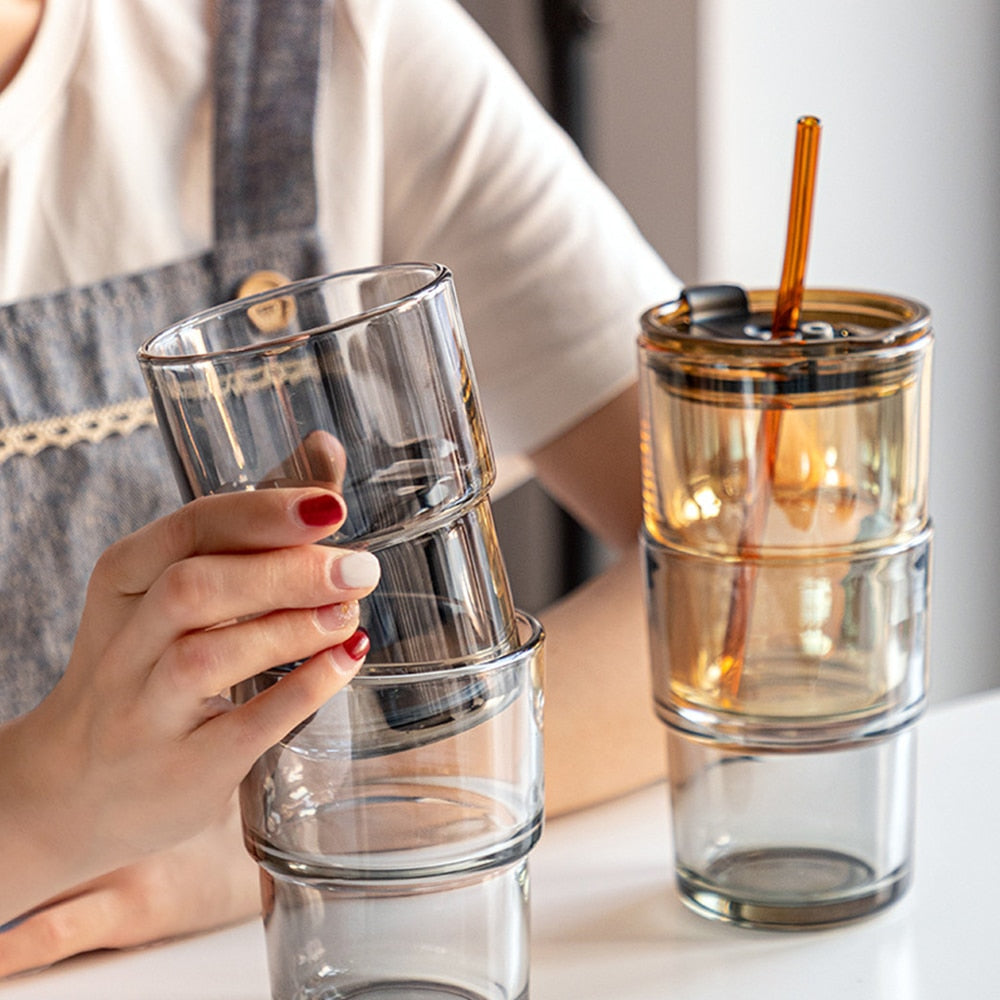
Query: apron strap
<point>266,81</point>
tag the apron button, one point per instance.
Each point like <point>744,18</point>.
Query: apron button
<point>274,315</point>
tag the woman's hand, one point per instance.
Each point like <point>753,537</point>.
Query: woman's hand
<point>205,882</point>
<point>136,749</point>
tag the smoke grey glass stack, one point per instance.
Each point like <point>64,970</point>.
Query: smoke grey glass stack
<point>393,827</point>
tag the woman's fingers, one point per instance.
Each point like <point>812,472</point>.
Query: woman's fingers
<point>206,881</point>
<point>231,522</point>
<point>326,458</point>
<point>269,716</point>
<point>202,664</point>
<point>72,926</point>
<point>206,591</point>
<point>248,589</point>
<point>319,459</point>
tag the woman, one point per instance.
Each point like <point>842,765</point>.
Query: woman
<point>154,158</point>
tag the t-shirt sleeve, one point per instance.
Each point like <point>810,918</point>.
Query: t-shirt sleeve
<point>551,272</point>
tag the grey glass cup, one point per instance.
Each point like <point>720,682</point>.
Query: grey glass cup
<point>787,561</point>
<point>392,827</point>
<point>395,866</point>
<point>446,937</point>
<point>360,381</point>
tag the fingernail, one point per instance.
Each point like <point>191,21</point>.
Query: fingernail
<point>348,655</point>
<point>321,510</point>
<point>358,645</point>
<point>357,571</point>
<point>335,617</point>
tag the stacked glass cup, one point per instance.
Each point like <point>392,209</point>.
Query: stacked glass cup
<point>787,564</point>
<point>393,827</point>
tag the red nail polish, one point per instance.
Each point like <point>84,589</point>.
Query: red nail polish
<point>321,511</point>
<point>358,645</point>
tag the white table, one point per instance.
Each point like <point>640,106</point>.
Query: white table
<point>607,923</point>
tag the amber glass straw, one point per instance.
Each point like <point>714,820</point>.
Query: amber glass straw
<point>784,324</point>
<point>793,272</point>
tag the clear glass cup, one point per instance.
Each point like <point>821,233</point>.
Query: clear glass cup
<point>459,560</point>
<point>360,381</point>
<point>376,359</point>
<point>787,565</point>
<point>393,829</point>
<point>409,771</point>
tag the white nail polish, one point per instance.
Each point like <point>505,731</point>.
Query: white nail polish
<point>357,570</point>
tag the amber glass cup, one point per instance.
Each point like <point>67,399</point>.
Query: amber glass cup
<point>787,546</point>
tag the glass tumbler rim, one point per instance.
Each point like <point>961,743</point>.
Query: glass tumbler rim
<point>886,322</point>
<point>151,351</point>
<point>422,673</point>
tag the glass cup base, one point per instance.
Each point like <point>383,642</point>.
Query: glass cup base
<point>826,887</point>
<point>786,839</point>
<point>461,937</point>
<point>410,989</point>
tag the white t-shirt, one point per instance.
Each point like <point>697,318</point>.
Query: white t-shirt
<point>428,148</point>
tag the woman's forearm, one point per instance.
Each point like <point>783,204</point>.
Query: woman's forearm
<point>601,736</point>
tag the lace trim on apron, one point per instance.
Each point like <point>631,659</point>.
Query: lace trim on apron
<point>88,426</point>
<point>207,384</point>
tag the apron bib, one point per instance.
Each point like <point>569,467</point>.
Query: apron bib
<point>81,460</point>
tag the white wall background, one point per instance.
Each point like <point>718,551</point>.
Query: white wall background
<point>694,105</point>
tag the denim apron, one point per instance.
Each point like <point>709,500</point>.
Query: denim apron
<point>81,461</point>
